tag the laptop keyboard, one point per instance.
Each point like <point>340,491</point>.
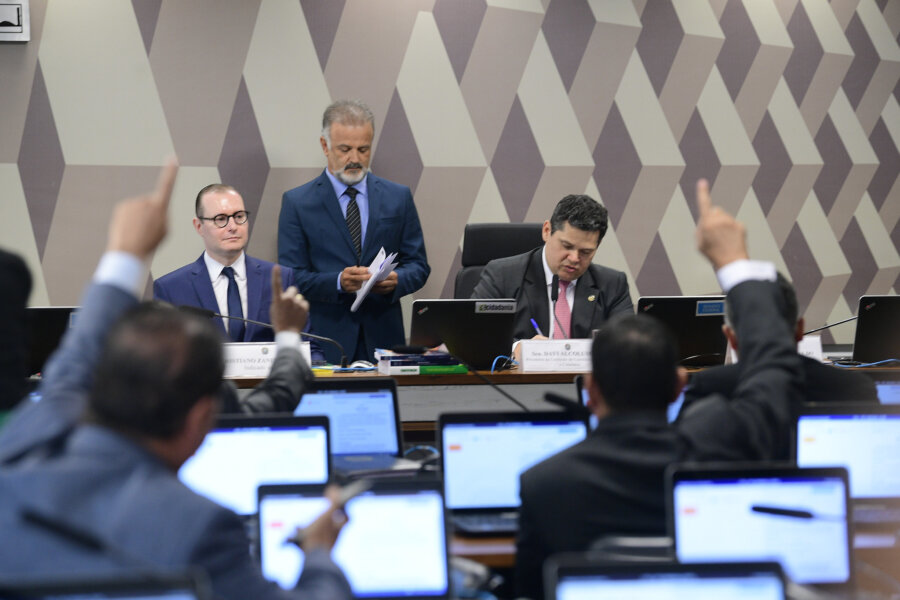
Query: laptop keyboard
<point>487,523</point>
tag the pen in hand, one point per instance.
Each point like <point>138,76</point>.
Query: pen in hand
<point>536,328</point>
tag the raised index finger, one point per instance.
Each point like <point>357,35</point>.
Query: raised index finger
<point>276,280</point>
<point>166,182</point>
<point>703,200</point>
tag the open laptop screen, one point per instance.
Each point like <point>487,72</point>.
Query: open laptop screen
<point>242,453</point>
<point>484,454</point>
<point>394,544</point>
<point>795,516</point>
<point>362,414</point>
<point>573,577</point>
<point>865,440</point>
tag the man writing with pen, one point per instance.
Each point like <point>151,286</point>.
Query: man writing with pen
<point>559,292</point>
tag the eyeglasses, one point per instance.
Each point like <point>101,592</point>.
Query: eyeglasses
<point>240,217</point>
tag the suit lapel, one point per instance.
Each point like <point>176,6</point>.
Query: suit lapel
<point>376,204</point>
<point>586,302</point>
<point>332,207</point>
<point>255,285</point>
<point>204,291</point>
<point>535,290</point>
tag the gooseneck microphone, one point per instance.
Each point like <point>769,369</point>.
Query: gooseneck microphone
<point>554,296</point>
<point>204,312</point>
<point>829,326</point>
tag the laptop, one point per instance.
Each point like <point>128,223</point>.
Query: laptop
<point>577,577</point>
<point>158,586</point>
<point>243,452</point>
<point>394,545</point>
<point>363,419</point>
<point>866,440</point>
<point>483,455</point>
<point>672,412</point>
<point>475,331</point>
<point>695,321</point>
<point>876,329</point>
<point>44,328</point>
<point>887,384</point>
<point>746,512</point>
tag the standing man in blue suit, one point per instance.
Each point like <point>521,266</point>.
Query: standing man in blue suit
<point>331,229</point>
<point>225,279</point>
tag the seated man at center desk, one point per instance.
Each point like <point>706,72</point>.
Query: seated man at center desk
<point>589,294</point>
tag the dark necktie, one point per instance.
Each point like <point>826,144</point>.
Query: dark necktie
<point>235,327</point>
<point>353,222</point>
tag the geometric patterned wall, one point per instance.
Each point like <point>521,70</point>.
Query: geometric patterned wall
<point>490,110</point>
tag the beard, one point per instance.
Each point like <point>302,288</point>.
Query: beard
<point>348,179</point>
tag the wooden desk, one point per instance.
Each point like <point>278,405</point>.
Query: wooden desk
<point>493,552</point>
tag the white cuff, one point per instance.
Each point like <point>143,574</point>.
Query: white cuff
<point>287,339</point>
<point>743,270</point>
<point>122,270</point>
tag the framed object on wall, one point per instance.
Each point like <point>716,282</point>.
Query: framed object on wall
<point>15,21</point>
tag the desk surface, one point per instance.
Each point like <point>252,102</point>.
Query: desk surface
<point>500,378</point>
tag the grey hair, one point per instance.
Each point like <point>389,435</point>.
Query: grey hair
<point>346,112</point>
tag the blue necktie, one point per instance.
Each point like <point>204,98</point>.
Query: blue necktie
<point>354,224</point>
<point>235,328</point>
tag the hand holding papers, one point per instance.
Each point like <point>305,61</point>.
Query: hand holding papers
<point>380,268</point>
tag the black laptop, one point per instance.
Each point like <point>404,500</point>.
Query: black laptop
<point>747,512</point>
<point>483,455</point>
<point>394,545</point>
<point>475,331</point>
<point>695,321</point>
<point>866,440</point>
<point>363,419</point>
<point>44,328</point>
<point>877,329</point>
<point>243,452</point>
<point>578,577</point>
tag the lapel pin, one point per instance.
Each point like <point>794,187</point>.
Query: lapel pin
<point>591,298</point>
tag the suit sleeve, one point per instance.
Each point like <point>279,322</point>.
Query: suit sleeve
<point>69,375</point>
<point>413,268</point>
<point>755,424</point>
<point>621,299</point>
<point>160,293</point>
<point>282,389</point>
<point>294,251</point>
<point>530,550</point>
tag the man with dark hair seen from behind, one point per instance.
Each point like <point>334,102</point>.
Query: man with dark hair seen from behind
<point>15,281</point>
<point>331,229</point>
<point>822,383</point>
<point>612,482</point>
<point>589,294</point>
<point>98,455</point>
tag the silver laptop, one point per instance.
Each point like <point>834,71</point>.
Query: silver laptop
<point>483,455</point>
<point>745,512</point>
<point>394,545</point>
<point>363,418</point>
<point>866,440</point>
<point>241,453</point>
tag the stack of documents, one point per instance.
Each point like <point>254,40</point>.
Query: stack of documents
<point>430,363</point>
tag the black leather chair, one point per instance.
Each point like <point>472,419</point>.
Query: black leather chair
<point>483,242</point>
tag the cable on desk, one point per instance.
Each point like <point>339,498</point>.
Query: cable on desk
<point>509,361</point>
<point>851,364</point>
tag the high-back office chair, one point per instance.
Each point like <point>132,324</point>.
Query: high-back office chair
<point>483,242</point>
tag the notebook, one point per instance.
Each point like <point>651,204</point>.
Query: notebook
<point>483,455</point>
<point>44,328</point>
<point>876,329</point>
<point>671,412</point>
<point>159,586</point>
<point>475,331</point>
<point>243,452</point>
<point>866,440</point>
<point>744,512</point>
<point>577,577</point>
<point>363,419</point>
<point>394,544</point>
<point>696,323</point>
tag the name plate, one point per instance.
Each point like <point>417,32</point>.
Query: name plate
<point>254,359</point>
<point>811,346</point>
<point>544,356</point>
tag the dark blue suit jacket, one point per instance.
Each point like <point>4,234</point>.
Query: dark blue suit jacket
<point>314,240</point>
<point>104,483</point>
<point>190,285</point>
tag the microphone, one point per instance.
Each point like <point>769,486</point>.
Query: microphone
<point>830,325</point>
<point>204,312</point>
<point>568,405</point>
<point>423,350</point>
